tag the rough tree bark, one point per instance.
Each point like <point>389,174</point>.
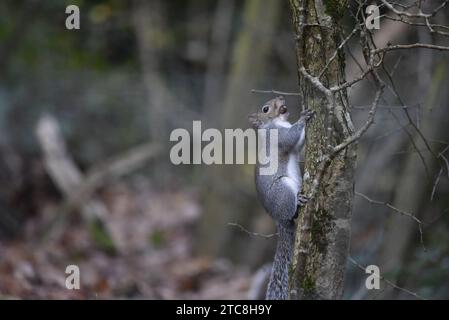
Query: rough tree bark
<point>323,231</point>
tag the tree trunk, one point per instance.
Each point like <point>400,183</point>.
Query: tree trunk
<point>323,231</point>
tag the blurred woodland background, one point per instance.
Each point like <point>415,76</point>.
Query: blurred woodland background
<point>85,174</point>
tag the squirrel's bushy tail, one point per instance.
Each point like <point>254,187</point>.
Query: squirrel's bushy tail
<point>278,285</point>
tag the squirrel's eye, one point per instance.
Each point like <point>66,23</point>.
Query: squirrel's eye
<point>265,109</point>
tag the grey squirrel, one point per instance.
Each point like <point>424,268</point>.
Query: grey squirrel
<point>280,192</point>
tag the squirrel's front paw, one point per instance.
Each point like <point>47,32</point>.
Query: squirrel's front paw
<point>302,199</point>
<point>307,114</point>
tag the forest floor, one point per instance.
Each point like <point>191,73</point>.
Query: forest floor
<point>153,236</point>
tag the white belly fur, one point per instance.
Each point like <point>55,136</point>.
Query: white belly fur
<point>282,123</point>
<point>292,178</point>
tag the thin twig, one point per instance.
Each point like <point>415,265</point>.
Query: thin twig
<point>410,46</point>
<point>276,92</point>
<point>361,267</point>
<point>254,234</point>
<point>412,141</point>
<point>435,184</point>
<point>342,44</point>
<point>409,117</point>
<point>356,136</point>
<point>402,212</point>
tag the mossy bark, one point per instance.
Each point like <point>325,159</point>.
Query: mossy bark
<point>323,231</point>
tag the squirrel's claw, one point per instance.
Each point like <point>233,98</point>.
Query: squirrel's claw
<point>302,199</point>
<point>307,114</point>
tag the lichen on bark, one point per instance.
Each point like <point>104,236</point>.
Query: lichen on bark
<point>323,232</point>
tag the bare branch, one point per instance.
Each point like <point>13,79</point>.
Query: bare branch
<point>406,13</point>
<point>254,234</point>
<point>441,155</point>
<point>358,265</point>
<point>350,83</point>
<point>402,212</point>
<point>342,44</point>
<point>435,184</point>
<point>315,81</point>
<point>276,92</point>
<point>410,46</point>
<point>404,107</point>
<point>356,136</point>
<point>412,141</point>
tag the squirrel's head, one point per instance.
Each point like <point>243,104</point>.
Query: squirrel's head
<point>270,110</point>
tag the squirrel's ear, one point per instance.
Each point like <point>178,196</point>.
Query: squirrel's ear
<point>254,120</point>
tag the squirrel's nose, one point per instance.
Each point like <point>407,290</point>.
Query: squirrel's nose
<point>282,109</point>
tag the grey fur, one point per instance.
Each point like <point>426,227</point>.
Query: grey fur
<point>278,284</point>
<point>278,193</point>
